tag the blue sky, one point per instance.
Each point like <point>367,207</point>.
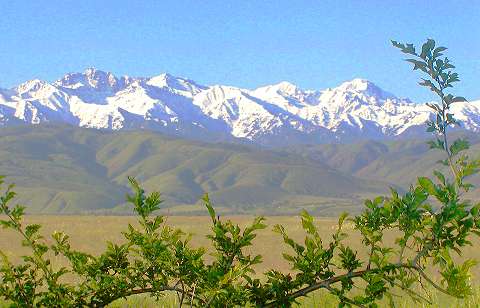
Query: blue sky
<point>314,44</point>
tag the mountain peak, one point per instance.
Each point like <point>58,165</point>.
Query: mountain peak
<point>96,76</point>
<point>90,78</point>
<point>287,87</point>
<point>282,88</point>
<point>364,86</point>
<point>92,70</point>
<point>34,88</point>
<point>166,80</point>
<point>162,80</point>
<point>31,85</point>
<point>359,84</point>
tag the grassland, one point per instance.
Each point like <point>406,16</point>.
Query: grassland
<point>90,233</point>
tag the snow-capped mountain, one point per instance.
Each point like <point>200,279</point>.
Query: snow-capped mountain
<point>274,114</point>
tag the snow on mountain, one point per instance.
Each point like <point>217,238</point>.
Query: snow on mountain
<point>248,116</point>
<point>179,86</point>
<point>271,114</point>
<point>468,113</point>
<point>355,108</point>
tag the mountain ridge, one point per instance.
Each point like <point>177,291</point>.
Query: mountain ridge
<point>269,115</point>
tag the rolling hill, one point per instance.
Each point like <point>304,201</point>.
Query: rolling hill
<point>399,162</point>
<point>67,170</point>
<point>61,169</point>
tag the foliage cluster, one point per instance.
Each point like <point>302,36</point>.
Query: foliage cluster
<point>432,222</point>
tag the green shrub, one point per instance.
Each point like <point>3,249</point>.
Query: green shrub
<point>431,221</point>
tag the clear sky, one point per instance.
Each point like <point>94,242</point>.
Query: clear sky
<point>314,44</point>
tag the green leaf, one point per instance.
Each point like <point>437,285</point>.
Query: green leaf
<point>342,218</point>
<point>418,64</point>
<point>440,176</point>
<point>431,86</point>
<point>437,144</point>
<point>428,185</point>
<point>32,229</point>
<point>427,48</point>
<point>459,145</point>
<point>438,51</point>
<point>208,205</point>
<point>408,48</point>
<point>459,99</point>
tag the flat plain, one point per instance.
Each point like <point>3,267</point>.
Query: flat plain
<point>90,234</point>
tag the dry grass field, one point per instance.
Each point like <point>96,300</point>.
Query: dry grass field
<point>90,234</point>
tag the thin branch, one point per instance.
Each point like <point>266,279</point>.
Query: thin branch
<point>148,290</point>
<point>327,282</point>
<point>193,294</point>
<point>424,288</point>
<point>412,293</point>
<point>371,254</point>
<point>421,253</point>
<point>183,295</point>
<point>445,108</point>
<point>435,285</point>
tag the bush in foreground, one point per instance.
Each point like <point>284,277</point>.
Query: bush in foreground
<point>431,221</point>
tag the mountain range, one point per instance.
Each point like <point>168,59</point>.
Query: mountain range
<point>279,114</point>
<point>271,150</point>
